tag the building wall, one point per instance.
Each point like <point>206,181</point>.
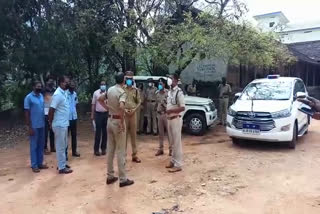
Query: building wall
<point>264,24</point>
<point>206,70</point>
<point>300,36</point>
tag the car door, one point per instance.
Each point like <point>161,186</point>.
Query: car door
<point>302,117</point>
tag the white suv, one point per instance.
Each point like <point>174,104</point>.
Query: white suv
<point>268,110</point>
<point>200,113</point>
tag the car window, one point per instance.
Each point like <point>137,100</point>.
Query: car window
<point>268,90</point>
<point>299,87</point>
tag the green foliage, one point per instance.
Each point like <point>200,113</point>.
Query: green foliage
<point>90,40</point>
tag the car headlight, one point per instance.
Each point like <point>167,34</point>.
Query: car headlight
<point>281,114</point>
<point>232,112</point>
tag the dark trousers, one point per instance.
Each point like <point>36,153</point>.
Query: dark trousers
<point>48,132</point>
<point>101,120</point>
<point>73,131</point>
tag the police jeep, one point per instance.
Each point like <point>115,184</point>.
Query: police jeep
<point>200,113</point>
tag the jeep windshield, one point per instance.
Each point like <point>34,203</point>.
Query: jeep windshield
<point>268,90</point>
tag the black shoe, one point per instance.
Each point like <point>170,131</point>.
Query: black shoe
<point>53,150</point>
<point>126,183</point>
<point>97,153</point>
<point>35,170</point>
<point>111,180</point>
<point>67,166</point>
<point>43,166</point>
<point>155,134</point>
<point>148,133</point>
<point>65,171</point>
<point>76,155</point>
<point>159,152</point>
<point>103,153</point>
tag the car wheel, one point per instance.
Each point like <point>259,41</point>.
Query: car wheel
<point>196,124</point>
<point>292,144</point>
<point>236,141</point>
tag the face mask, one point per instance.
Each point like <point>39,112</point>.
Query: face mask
<point>103,87</point>
<point>129,82</point>
<point>160,87</point>
<point>150,84</point>
<point>38,90</point>
<point>169,81</point>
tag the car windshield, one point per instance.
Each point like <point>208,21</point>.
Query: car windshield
<point>268,90</point>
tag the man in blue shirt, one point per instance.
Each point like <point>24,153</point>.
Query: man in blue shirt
<point>73,101</point>
<point>34,113</point>
<point>59,121</point>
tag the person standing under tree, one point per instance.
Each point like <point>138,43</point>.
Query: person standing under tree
<point>48,93</point>
<point>73,116</point>
<point>100,116</point>
<point>161,107</point>
<point>35,120</point>
<point>151,112</point>
<point>116,129</point>
<point>131,105</point>
<point>175,106</point>
<point>59,121</point>
<point>140,111</point>
<point>224,90</point>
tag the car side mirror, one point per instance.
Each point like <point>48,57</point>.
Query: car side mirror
<point>237,95</point>
<point>301,95</point>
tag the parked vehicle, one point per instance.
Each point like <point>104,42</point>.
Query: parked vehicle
<point>268,110</point>
<point>200,113</point>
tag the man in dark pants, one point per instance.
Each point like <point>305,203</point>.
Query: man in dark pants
<point>47,94</point>
<point>100,115</point>
<point>73,100</point>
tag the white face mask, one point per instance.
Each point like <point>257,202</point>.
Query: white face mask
<point>169,81</point>
<point>150,84</point>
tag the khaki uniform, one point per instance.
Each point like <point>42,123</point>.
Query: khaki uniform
<point>132,102</point>
<point>192,90</point>
<point>223,102</point>
<point>161,106</point>
<point>175,99</point>
<point>151,112</point>
<point>116,139</point>
<point>140,112</point>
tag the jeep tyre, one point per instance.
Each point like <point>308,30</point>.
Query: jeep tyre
<point>292,144</point>
<point>196,124</point>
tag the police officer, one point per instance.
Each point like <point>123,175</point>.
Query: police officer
<point>175,106</point>
<point>132,104</point>
<point>116,129</point>
<point>161,107</point>
<point>151,102</point>
<point>141,108</point>
<point>224,93</point>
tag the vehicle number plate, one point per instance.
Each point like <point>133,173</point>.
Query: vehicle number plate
<point>251,129</point>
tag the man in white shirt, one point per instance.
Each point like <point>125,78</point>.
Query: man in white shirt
<point>100,115</point>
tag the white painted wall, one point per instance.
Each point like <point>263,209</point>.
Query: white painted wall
<point>300,36</point>
<point>264,24</point>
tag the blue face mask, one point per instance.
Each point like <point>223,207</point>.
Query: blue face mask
<point>129,82</point>
<point>160,87</point>
<point>103,87</point>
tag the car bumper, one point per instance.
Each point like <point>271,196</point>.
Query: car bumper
<point>211,117</point>
<point>275,135</point>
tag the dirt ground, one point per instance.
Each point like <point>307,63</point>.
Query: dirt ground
<point>217,178</point>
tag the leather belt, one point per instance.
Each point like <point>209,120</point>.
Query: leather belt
<point>117,117</point>
<point>173,117</point>
<point>151,101</point>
